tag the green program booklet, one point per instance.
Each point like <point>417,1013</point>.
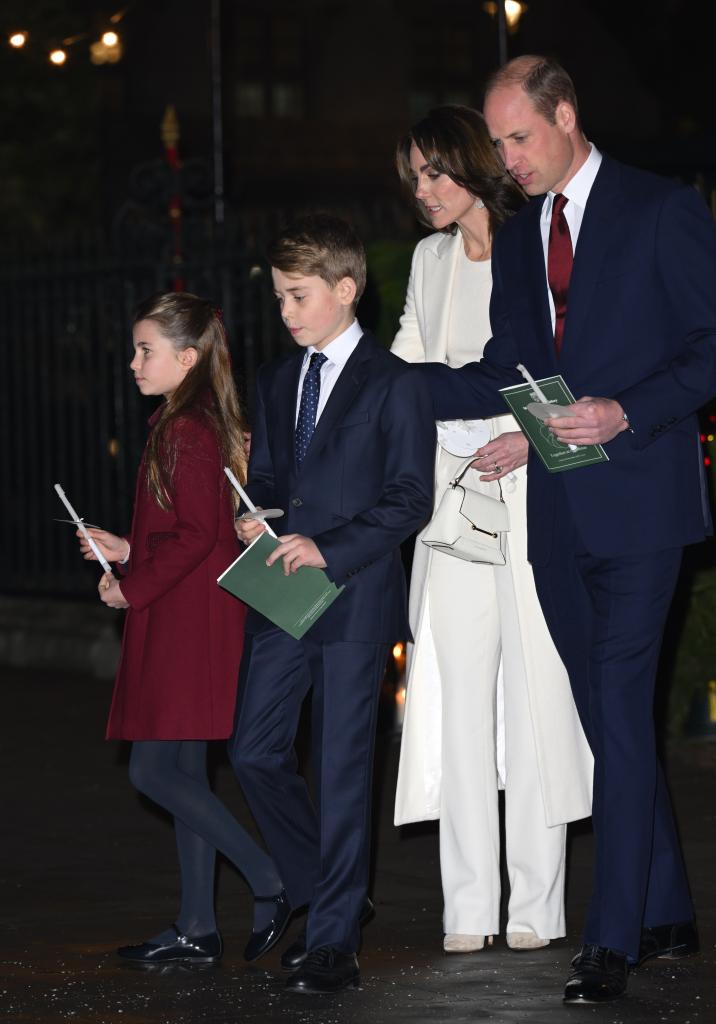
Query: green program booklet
<point>556,456</point>
<point>292,602</point>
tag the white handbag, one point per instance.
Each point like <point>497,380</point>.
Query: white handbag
<point>469,524</point>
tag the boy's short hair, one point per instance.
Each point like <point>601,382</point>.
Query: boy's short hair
<point>320,245</point>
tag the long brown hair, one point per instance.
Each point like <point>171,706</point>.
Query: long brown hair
<point>208,390</point>
<point>455,141</point>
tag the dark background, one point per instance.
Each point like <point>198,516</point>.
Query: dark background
<point>316,94</point>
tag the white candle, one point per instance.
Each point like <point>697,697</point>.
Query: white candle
<point>533,383</point>
<point>246,499</point>
<point>78,522</point>
<point>540,394</point>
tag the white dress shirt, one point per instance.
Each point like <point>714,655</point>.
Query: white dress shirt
<point>577,192</point>
<point>337,354</point>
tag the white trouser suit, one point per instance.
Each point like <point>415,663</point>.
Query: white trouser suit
<point>468,620</point>
<point>471,631</point>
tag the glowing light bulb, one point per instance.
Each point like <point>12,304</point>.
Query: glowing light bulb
<point>58,57</point>
<point>18,39</point>
<point>110,38</point>
<point>398,651</point>
<point>513,12</point>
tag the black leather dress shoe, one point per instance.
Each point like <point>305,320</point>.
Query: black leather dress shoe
<point>669,941</point>
<point>294,955</point>
<point>262,941</point>
<point>599,975</point>
<point>200,949</point>
<point>325,970</point>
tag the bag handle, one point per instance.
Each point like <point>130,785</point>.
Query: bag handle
<point>455,482</point>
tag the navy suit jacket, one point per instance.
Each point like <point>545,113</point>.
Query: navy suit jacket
<point>640,328</point>
<point>364,486</point>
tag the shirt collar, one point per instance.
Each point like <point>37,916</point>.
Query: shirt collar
<point>579,186</point>
<point>341,348</point>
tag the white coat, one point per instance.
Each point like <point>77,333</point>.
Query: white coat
<point>563,756</point>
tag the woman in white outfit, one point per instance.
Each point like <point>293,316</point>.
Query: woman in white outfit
<point>488,700</point>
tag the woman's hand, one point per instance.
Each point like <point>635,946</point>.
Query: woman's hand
<point>502,455</point>
<point>114,549</point>
<point>110,592</point>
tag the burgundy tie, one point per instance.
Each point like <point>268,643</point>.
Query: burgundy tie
<point>559,266</point>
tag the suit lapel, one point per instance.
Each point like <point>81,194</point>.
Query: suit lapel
<point>285,409</point>
<point>536,278</point>
<point>438,282</point>
<point>346,388</point>
<point>602,217</point>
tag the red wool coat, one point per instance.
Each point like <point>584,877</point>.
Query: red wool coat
<point>183,634</point>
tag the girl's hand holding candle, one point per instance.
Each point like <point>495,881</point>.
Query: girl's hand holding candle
<point>111,547</point>
<point>110,592</point>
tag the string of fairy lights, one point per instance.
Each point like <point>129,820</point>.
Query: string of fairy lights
<point>104,47</point>
<point>107,48</point>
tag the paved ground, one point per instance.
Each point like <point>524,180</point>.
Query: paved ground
<point>87,865</point>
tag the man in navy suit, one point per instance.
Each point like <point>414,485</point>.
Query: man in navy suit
<point>342,440</point>
<point>609,279</point>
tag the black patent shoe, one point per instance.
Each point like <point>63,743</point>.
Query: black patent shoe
<point>598,976</point>
<point>325,970</point>
<point>262,941</point>
<point>669,941</point>
<point>200,949</point>
<point>294,955</point>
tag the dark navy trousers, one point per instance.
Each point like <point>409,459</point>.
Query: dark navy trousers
<point>607,617</point>
<point>322,850</point>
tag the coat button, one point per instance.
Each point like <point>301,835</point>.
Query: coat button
<point>296,502</point>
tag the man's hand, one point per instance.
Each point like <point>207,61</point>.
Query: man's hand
<point>595,421</point>
<point>296,550</point>
<point>248,529</point>
<point>502,455</point>
<point>110,592</point>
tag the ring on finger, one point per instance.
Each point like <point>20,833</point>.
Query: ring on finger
<point>498,469</point>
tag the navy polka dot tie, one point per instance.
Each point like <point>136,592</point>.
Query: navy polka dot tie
<point>306,422</point>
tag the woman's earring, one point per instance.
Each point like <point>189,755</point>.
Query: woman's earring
<point>479,204</point>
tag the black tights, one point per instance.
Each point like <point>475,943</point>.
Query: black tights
<point>173,774</point>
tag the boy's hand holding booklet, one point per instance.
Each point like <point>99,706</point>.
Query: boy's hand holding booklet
<point>292,602</point>
<point>536,401</point>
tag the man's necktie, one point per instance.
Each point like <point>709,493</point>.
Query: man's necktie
<point>306,422</point>
<point>559,266</point>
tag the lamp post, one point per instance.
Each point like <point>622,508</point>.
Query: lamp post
<point>217,118</point>
<point>501,32</point>
<point>508,14</point>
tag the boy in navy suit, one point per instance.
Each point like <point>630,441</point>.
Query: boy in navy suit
<point>343,440</point>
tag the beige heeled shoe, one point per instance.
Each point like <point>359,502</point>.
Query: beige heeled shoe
<point>525,940</point>
<point>465,943</point>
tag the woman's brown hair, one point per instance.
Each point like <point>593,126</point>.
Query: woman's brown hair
<point>455,141</point>
<point>208,390</point>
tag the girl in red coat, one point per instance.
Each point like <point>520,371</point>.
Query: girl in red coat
<point>176,683</point>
